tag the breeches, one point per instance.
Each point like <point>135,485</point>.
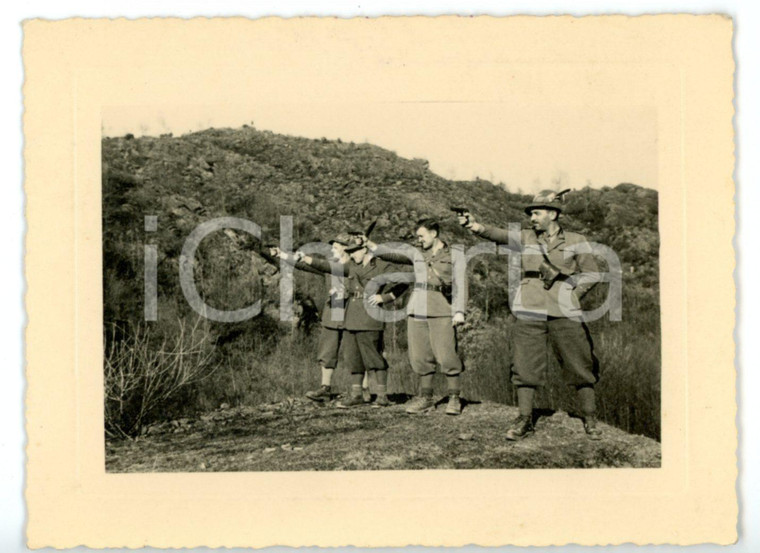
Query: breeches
<point>534,340</point>
<point>329,345</point>
<point>363,350</point>
<point>433,341</point>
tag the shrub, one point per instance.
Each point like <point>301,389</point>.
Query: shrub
<point>143,372</point>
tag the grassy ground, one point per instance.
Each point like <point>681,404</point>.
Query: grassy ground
<point>298,435</point>
<point>628,392</point>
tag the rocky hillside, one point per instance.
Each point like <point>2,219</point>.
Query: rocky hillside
<point>300,435</point>
<point>328,187</point>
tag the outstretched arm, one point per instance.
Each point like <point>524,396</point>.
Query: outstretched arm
<point>392,257</point>
<point>307,268</point>
<point>303,262</point>
<point>494,234</point>
<point>324,266</point>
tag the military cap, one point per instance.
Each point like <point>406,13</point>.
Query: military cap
<point>356,244</point>
<point>547,199</point>
<point>342,239</point>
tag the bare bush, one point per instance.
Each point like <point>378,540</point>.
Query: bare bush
<point>143,372</point>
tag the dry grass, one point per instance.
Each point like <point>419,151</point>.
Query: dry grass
<point>142,373</point>
<point>256,369</point>
<point>629,390</point>
<point>300,435</point>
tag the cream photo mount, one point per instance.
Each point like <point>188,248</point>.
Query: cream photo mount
<point>679,65</point>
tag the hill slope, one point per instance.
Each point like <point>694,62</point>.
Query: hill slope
<point>327,187</point>
<point>300,435</point>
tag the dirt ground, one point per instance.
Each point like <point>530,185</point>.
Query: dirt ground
<point>300,435</point>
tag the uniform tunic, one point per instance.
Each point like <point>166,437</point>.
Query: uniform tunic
<point>363,335</point>
<point>333,312</point>
<point>432,337</point>
<point>550,318</point>
<point>333,316</point>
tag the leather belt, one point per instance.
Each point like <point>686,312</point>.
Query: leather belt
<point>537,274</point>
<point>357,294</point>
<point>426,286</point>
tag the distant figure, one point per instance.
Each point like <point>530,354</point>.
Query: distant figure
<point>549,259</point>
<point>308,314</point>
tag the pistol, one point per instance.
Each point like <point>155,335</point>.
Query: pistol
<point>463,212</point>
<point>549,273</point>
<point>265,249</point>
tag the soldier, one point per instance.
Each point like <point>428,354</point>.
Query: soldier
<point>363,333</point>
<point>431,326</point>
<point>544,318</point>
<point>333,315</point>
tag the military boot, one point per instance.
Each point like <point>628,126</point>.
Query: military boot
<point>381,401</point>
<point>352,401</point>
<point>592,430</point>
<point>366,395</point>
<point>521,427</point>
<point>420,404</point>
<point>324,393</point>
<point>454,406</point>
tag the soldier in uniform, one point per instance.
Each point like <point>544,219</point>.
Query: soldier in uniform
<point>431,325</point>
<point>547,316</point>
<point>333,315</point>
<point>363,333</point>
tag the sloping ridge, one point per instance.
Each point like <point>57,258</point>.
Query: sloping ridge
<point>330,187</point>
<point>297,434</point>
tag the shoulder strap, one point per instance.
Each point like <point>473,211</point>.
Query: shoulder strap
<point>438,275</point>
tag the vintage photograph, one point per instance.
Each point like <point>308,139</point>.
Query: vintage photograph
<point>288,275</point>
<point>335,287</point>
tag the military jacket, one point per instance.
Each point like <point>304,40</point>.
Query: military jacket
<point>568,252</point>
<point>334,309</point>
<point>429,298</point>
<point>356,279</point>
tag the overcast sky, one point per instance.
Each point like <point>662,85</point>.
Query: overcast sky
<point>528,149</point>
